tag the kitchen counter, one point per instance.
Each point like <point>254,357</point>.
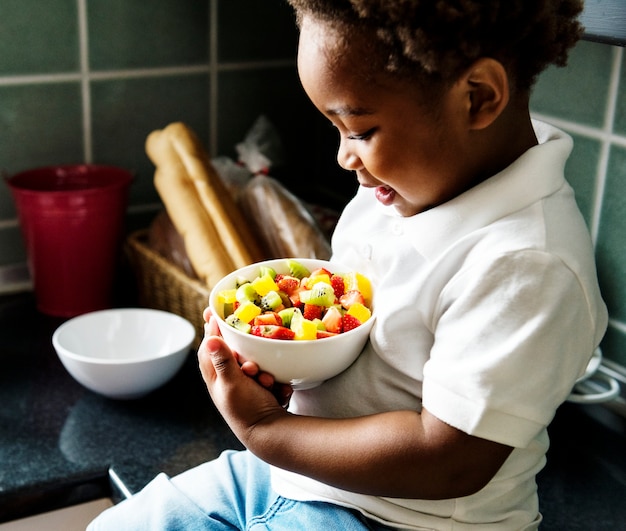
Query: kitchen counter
<point>61,444</point>
<point>58,440</point>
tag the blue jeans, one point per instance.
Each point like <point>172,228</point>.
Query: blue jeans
<point>229,493</point>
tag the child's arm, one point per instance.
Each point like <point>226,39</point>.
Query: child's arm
<point>397,454</point>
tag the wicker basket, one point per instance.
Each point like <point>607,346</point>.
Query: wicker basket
<point>164,286</point>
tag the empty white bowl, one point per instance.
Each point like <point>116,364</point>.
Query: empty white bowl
<point>305,363</point>
<point>123,353</point>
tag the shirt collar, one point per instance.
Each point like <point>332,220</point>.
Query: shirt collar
<point>536,174</point>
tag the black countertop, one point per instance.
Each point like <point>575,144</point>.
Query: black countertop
<point>59,441</point>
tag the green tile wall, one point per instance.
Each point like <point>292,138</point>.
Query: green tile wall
<point>577,93</point>
<point>38,37</point>
<point>611,248</point>
<point>125,111</point>
<point>40,124</point>
<point>135,34</point>
<point>581,164</point>
<point>87,80</point>
<point>588,100</point>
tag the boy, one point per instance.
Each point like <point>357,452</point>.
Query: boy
<point>487,302</point>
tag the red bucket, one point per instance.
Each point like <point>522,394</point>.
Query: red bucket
<point>72,220</point>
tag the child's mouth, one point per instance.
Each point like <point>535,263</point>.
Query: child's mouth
<point>385,195</point>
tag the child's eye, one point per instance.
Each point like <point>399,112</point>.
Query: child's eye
<point>362,136</point>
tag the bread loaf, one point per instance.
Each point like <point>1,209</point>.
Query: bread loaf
<point>282,223</point>
<point>165,240</point>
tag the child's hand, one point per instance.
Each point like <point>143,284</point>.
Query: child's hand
<point>282,392</point>
<point>243,394</point>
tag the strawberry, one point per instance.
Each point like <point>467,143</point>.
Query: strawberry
<point>321,334</point>
<point>288,284</point>
<point>268,318</point>
<point>349,322</point>
<point>320,271</point>
<point>332,320</point>
<point>295,299</point>
<point>336,281</point>
<point>272,332</point>
<point>312,311</point>
<point>350,297</point>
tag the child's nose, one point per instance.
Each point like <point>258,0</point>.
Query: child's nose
<point>346,157</point>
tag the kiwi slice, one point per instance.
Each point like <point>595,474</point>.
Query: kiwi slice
<point>267,270</point>
<point>240,281</point>
<point>321,294</point>
<point>286,315</point>
<point>246,292</point>
<point>237,323</point>
<point>270,301</point>
<point>296,269</point>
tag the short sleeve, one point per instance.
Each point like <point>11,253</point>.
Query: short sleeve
<point>511,337</point>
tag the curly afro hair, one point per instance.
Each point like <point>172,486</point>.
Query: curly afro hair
<point>443,38</point>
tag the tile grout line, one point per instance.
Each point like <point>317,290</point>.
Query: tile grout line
<point>605,151</point>
<point>603,164</point>
<point>138,73</point>
<point>39,79</point>
<point>254,65</point>
<point>84,81</point>
<point>618,325</point>
<point>213,77</point>
<point>588,131</point>
<point>95,75</point>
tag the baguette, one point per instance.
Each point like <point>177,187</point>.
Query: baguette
<point>204,246</point>
<point>231,227</point>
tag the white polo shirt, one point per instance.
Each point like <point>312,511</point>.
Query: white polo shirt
<point>488,309</point>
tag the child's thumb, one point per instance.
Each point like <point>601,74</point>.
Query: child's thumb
<point>220,356</point>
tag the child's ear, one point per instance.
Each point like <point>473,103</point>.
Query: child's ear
<point>487,86</point>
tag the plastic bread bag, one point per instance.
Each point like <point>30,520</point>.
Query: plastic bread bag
<point>234,175</point>
<point>259,152</point>
<point>282,223</point>
<point>261,149</point>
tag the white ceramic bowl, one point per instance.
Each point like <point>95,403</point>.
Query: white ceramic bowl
<point>305,363</point>
<point>123,353</point>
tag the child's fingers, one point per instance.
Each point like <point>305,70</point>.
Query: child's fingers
<point>211,328</point>
<point>249,368</point>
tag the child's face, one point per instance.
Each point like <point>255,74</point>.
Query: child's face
<point>413,158</point>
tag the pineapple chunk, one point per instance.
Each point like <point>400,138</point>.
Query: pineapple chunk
<point>226,300</point>
<point>306,330</point>
<point>355,280</point>
<point>360,312</point>
<point>302,328</point>
<point>264,284</point>
<point>227,296</point>
<point>247,311</point>
<point>311,281</point>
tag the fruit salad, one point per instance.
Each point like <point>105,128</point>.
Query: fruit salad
<point>298,305</point>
